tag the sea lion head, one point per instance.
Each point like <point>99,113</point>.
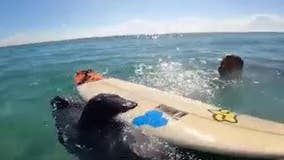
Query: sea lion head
<point>103,108</point>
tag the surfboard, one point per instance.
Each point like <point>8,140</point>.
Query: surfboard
<point>189,123</point>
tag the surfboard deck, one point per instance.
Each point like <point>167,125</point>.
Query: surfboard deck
<point>190,123</point>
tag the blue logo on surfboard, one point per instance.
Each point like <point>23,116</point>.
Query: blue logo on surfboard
<point>153,118</point>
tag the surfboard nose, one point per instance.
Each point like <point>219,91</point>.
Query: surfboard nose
<point>84,76</point>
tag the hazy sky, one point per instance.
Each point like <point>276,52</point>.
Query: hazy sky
<point>26,21</point>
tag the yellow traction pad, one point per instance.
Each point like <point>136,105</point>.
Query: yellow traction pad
<point>224,115</point>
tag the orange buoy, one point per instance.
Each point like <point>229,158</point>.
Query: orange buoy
<point>85,76</point>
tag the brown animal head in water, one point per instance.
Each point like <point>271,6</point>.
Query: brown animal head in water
<point>231,67</point>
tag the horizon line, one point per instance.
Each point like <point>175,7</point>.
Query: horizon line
<point>145,34</point>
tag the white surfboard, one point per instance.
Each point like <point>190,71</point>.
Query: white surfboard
<point>190,123</point>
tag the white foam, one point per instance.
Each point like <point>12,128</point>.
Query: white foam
<point>173,77</point>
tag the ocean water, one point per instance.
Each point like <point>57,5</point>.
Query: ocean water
<point>185,64</point>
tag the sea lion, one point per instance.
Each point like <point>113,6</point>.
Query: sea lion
<point>94,131</point>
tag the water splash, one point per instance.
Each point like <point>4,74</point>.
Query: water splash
<point>176,78</point>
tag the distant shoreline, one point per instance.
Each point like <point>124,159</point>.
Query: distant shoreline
<point>126,35</point>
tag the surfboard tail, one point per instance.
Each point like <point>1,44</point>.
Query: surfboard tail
<point>85,76</point>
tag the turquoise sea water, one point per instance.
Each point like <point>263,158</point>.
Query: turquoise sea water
<point>30,75</point>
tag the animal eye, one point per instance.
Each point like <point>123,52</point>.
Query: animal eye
<point>126,104</point>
